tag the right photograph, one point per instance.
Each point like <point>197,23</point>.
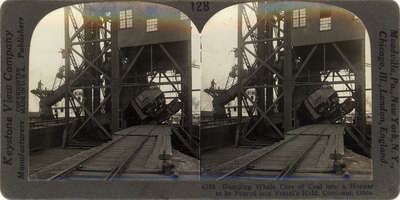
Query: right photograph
<point>286,93</point>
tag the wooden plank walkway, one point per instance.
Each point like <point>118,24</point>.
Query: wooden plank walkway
<point>140,148</point>
<point>308,149</point>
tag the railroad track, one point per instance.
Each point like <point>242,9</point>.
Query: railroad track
<point>134,148</point>
<point>277,161</point>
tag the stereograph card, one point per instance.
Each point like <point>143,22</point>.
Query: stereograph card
<point>200,99</point>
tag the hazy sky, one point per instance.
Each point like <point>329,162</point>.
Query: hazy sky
<point>219,38</point>
<point>44,59</point>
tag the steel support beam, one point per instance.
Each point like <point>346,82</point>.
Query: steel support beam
<point>305,61</point>
<point>344,81</point>
<point>75,108</point>
<point>326,77</point>
<point>263,40</point>
<point>269,34</point>
<point>175,64</point>
<point>252,8</point>
<point>249,110</point>
<point>91,64</point>
<point>359,70</point>
<point>264,115</point>
<point>288,83</point>
<point>264,86</point>
<point>240,45</point>
<point>187,91</point>
<point>115,74</point>
<point>251,30</point>
<point>78,9</point>
<point>360,90</point>
<point>260,119</point>
<point>173,86</point>
<point>67,73</point>
<point>89,41</point>
<point>352,68</point>
<point>264,68</point>
<point>261,52</point>
<point>88,74</point>
<point>264,62</point>
<point>77,32</point>
<point>324,83</point>
<point>83,72</point>
<point>91,116</point>
<point>130,66</point>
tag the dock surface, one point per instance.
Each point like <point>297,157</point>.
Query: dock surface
<point>138,152</point>
<point>307,152</point>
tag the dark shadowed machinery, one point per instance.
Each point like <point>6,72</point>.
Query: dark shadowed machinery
<point>323,104</point>
<point>150,105</point>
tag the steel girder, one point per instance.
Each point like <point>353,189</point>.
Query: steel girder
<point>267,41</point>
<point>89,36</point>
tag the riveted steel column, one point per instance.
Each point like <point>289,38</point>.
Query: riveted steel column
<point>115,72</point>
<point>67,67</point>
<point>240,71</point>
<point>261,53</point>
<point>187,93</point>
<point>288,82</point>
<point>67,63</point>
<point>360,89</point>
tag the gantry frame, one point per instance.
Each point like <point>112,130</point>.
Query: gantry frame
<point>274,56</point>
<point>87,51</point>
<point>112,74</point>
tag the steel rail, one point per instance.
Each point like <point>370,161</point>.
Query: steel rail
<point>76,165</point>
<point>245,165</point>
<point>291,168</point>
<point>124,161</point>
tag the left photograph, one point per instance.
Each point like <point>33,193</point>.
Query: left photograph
<point>114,94</point>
